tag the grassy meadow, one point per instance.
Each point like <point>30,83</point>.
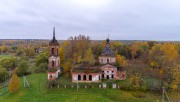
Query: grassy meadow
<point>37,92</point>
<point>6,56</point>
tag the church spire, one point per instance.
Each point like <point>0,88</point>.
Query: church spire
<point>54,33</point>
<point>107,40</point>
<point>54,41</point>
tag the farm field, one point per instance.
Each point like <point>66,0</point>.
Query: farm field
<point>37,92</point>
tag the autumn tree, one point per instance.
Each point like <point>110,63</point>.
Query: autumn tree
<point>30,52</point>
<point>7,63</point>
<point>61,54</point>
<point>175,81</point>
<point>19,50</point>
<point>134,48</point>
<point>121,61</point>
<point>14,84</point>
<point>89,57</point>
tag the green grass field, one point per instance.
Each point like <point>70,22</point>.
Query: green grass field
<point>38,93</point>
<point>5,56</point>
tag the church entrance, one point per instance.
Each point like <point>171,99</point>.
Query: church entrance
<point>107,60</point>
<point>84,77</point>
<point>79,77</point>
<point>90,77</point>
<point>107,76</point>
<point>112,76</point>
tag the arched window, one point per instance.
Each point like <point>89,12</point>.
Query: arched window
<point>52,51</point>
<point>107,76</point>
<point>84,77</point>
<point>112,76</point>
<point>99,77</point>
<point>90,77</point>
<point>79,77</point>
<point>107,60</point>
<point>52,63</point>
<point>103,76</point>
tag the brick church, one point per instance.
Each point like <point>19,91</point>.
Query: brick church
<point>54,59</point>
<point>106,69</point>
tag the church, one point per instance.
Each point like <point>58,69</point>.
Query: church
<point>105,70</point>
<point>54,59</point>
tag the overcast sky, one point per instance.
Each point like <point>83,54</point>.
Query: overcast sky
<point>122,19</point>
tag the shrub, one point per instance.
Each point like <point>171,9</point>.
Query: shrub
<point>154,84</point>
<point>3,74</point>
<point>22,68</point>
<point>41,68</point>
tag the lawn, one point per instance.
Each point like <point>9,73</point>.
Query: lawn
<point>6,56</point>
<point>39,93</point>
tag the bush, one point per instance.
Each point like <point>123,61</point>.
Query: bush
<point>14,84</point>
<point>22,68</point>
<point>41,68</point>
<point>3,74</point>
<point>52,83</point>
<point>154,84</point>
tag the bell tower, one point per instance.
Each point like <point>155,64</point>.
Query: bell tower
<point>54,59</point>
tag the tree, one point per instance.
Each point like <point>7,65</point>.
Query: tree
<point>3,74</point>
<point>30,51</point>
<point>134,48</point>
<point>41,68</point>
<point>19,50</point>
<point>120,61</point>
<point>67,66</point>
<point>7,63</point>
<point>89,57</point>
<point>14,84</point>
<point>175,81</point>
<point>42,58</point>
<point>22,68</point>
<point>61,54</point>
<point>3,48</point>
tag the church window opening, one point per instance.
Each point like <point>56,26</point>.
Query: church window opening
<point>84,77</point>
<point>52,63</point>
<point>79,77</point>
<point>52,51</point>
<point>90,77</point>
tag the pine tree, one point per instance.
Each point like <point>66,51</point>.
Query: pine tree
<point>14,84</point>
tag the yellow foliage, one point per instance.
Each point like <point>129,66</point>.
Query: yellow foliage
<point>154,64</point>
<point>174,86</point>
<point>14,84</point>
<point>121,61</point>
<point>170,51</point>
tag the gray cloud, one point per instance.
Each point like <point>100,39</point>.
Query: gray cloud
<point>123,19</point>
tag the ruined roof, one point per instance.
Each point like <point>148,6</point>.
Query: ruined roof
<point>90,70</point>
<point>108,66</point>
<point>107,51</point>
